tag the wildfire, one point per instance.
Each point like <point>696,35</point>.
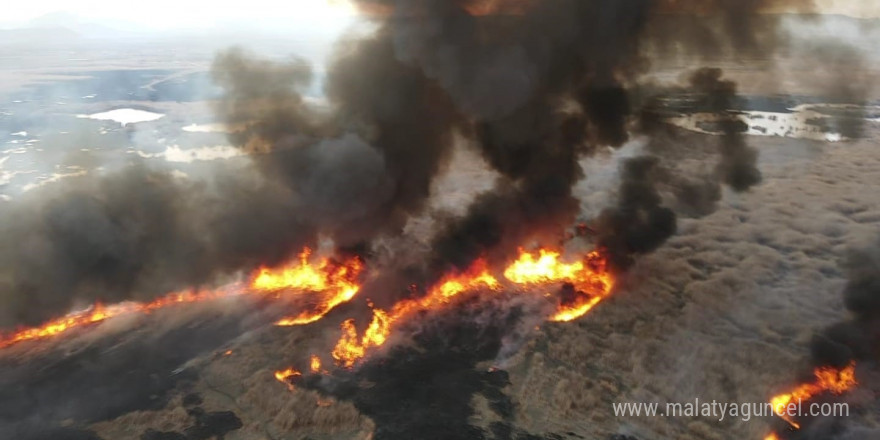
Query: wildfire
<point>100,312</point>
<point>545,268</point>
<point>284,376</point>
<point>334,283</point>
<point>351,349</point>
<point>315,364</point>
<point>590,278</point>
<point>593,285</point>
<point>828,379</point>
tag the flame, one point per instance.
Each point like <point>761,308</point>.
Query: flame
<point>99,313</point>
<point>349,350</point>
<point>315,364</point>
<point>377,332</point>
<point>772,436</point>
<point>590,278</point>
<point>284,376</point>
<point>543,269</point>
<point>334,282</point>
<point>828,379</point>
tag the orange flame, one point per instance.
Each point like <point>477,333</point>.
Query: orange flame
<point>284,376</point>
<point>543,269</point>
<point>828,379</point>
<point>99,313</point>
<point>315,364</point>
<point>349,350</point>
<point>772,436</point>
<point>335,282</point>
<point>590,278</point>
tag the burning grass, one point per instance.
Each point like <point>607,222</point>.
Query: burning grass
<point>827,380</point>
<point>588,278</point>
<point>331,282</point>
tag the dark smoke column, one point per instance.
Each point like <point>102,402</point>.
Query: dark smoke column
<point>534,85</point>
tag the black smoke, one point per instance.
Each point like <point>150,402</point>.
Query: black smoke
<point>534,92</point>
<point>854,339</point>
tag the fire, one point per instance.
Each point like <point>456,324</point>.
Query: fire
<point>590,278</point>
<point>284,376</point>
<point>315,364</point>
<point>348,350</point>
<point>99,313</point>
<point>351,349</point>
<point>772,436</point>
<point>543,269</point>
<point>828,379</point>
<point>593,285</point>
<point>334,282</point>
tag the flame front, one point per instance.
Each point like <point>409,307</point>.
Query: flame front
<point>334,283</point>
<point>589,277</point>
<point>99,313</point>
<point>546,268</point>
<point>284,376</point>
<point>828,379</point>
<point>351,349</point>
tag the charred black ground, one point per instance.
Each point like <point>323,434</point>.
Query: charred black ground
<point>57,393</point>
<point>425,389</point>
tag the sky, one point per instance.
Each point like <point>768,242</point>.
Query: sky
<point>184,14</point>
<point>855,8</point>
<point>201,14</point>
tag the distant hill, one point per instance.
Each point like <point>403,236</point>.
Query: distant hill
<point>84,28</point>
<point>38,36</point>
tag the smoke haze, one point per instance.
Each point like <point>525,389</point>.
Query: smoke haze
<point>534,91</point>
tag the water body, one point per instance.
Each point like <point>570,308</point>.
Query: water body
<point>125,116</point>
<point>779,116</point>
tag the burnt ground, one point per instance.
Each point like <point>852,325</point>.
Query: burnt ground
<point>50,395</point>
<point>424,390</point>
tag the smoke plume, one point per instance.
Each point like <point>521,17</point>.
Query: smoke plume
<point>856,338</point>
<point>535,86</point>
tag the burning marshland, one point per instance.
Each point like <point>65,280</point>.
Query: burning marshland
<point>472,220</point>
